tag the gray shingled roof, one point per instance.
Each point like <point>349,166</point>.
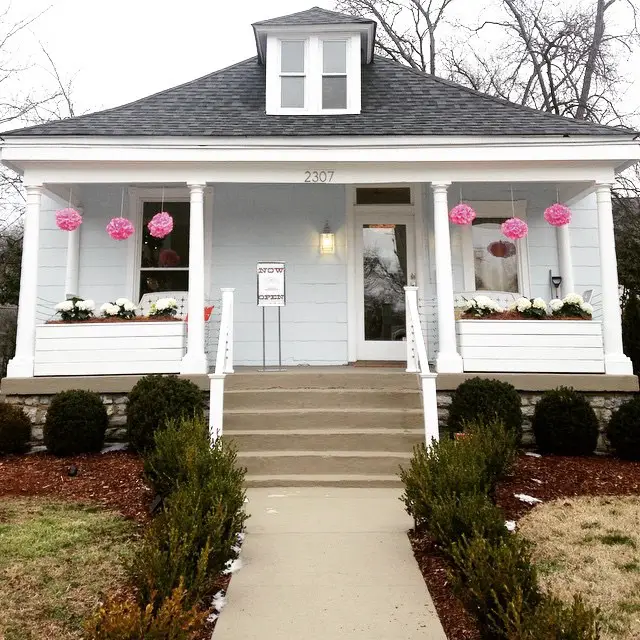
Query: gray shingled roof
<point>315,15</point>
<point>396,100</point>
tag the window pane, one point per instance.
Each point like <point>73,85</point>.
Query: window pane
<point>292,56</point>
<point>383,195</point>
<point>385,276</point>
<point>173,250</point>
<point>334,56</point>
<point>156,281</point>
<point>292,92</point>
<point>495,258</point>
<point>334,92</point>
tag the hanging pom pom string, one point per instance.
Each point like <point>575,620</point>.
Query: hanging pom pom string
<point>120,228</point>
<point>557,214</point>
<point>68,219</point>
<point>161,225</point>
<point>462,213</point>
<point>514,228</point>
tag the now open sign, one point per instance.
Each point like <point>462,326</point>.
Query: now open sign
<point>271,284</point>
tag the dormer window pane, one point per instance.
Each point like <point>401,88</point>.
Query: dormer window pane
<point>292,56</point>
<point>292,92</point>
<point>334,92</point>
<point>334,56</point>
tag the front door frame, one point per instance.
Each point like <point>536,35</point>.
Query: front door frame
<point>355,293</point>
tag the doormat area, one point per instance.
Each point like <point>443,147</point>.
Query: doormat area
<point>380,363</point>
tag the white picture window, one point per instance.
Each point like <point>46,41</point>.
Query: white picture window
<point>292,74</point>
<point>334,74</point>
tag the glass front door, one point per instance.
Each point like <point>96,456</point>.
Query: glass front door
<point>386,265</point>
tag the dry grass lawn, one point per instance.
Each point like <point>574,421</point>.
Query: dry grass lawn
<point>57,560</point>
<point>591,545</point>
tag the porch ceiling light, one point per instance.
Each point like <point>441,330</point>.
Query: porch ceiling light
<point>327,240</point>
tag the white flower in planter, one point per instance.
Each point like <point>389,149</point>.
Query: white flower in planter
<point>523,304</point>
<point>587,308</point>
<point>539,303</point>
<point>109,309</point>
<point>555,304</point>
<point>129,306</point>
<point>85,305</point>
<point>573,298</point>
<point>65,305</point>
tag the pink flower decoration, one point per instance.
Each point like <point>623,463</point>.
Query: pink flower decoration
<point>119,228</point>
<point>462,214</point>
<point>557,214</point>
<point>68,219</point>
<point>514,228</point>
<point>161,225</point>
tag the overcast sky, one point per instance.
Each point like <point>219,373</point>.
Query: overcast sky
<point>122,50</point>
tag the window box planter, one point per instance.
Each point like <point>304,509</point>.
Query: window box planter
<point>109,348</point>
<point>531,346</point>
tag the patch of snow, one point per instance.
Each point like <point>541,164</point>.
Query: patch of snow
<point>212,617</point>
<point>240,536</point>
<point>116,446</point>
<point>272,510</point>
<point>523,497</point>
<point>219,601</point>
<point>232,566</point>
<point>236,549</point>
<point>510,525</point>
<point>532,454</point>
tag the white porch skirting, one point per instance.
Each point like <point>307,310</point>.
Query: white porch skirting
<point>531,346</point>
<point>87,349</point>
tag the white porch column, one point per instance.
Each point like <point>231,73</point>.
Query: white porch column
<point>615,362</point>
<point>195,360</point>
<point>448,359</point>
<point>21,365</point>
<point>565,259</point>
<point>73,261</point>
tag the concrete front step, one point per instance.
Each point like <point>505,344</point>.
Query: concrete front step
<point>323,462</point>
<point>259,399</point>
<point>323,378</point>
<point>318,418</point>
<point>326,439</point>
<point>323,480</point>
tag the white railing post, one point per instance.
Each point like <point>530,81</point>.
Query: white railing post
<point>430,407</point>
<point>227,307</point>
<point>216,405</point>
<point>410,295</point>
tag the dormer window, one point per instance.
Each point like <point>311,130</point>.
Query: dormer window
<point>313,74</point>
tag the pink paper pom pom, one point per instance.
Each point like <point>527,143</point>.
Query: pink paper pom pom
<point>462,214</point>
<point>557,215</point>
<point>160,225</point>
<point>119,228</point>
<point>68,219</point>
<point>514,228</point>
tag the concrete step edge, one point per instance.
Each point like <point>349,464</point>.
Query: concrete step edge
<point>278,390</point>
<point>325,454</point>
<point>385,410</point>
<point>354,477</point>
<point>374,431</point>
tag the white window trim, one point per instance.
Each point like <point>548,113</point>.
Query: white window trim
<point>313,73</point>
<point>304,74</point>
<point>495,209</point>
<point>136,199</point>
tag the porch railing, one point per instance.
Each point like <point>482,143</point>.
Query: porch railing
<point>223,365</point>
<point>417,362</point>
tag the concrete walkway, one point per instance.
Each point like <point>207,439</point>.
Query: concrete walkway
<point>326,563</point>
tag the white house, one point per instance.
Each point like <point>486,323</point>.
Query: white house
<point>256,160</point>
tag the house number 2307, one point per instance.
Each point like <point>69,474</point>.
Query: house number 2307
<point>318,176</point>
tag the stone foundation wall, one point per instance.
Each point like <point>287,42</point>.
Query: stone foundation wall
<point>603,404</point>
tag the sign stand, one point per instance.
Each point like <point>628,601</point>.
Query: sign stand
<point>271,293</point>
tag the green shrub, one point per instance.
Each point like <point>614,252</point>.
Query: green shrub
<point>76,423</point>
<point>631,328</point>
<point>496,580</point>
<point>552,619</point>
<point>465,516</point>
<point>485,401</point>
<point>125,620</point>
<point>565,423</point>
<point>15,429</point>
<point>623,430</point>
<point>153,400</point>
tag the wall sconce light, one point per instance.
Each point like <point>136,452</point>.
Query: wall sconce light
<point>327,240</point>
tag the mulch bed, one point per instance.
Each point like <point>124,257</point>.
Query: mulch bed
<point>546,478</point>
<point>112,480</point>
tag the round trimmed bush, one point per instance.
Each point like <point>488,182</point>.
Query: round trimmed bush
<point>623,430</point>
<point>478,401</point>
<point>15,429</point>
<point>155,399</point>
<point>564,422</point>
<point>76,423</point>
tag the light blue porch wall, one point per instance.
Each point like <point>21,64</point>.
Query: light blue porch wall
<point>261,223</point>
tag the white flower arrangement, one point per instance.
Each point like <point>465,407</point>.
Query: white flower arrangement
<point>571,306</point>
<point>531,308</point>
<point>480,307</point>
<point>164,307</point>
<point>75,309</point>
<point>121,308</point>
